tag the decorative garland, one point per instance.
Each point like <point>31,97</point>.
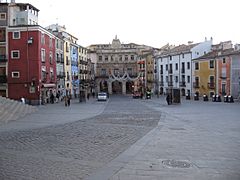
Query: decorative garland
<point>125,77</point>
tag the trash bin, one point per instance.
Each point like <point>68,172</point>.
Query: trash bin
<point>188,97</point>
<point>230,99</point>
<point>196,97</point>
<point>214,98</point>
<point>218,98</point>
<point>205,97</point>
<point>225,98</point>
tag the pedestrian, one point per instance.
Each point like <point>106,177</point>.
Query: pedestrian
<point>168,99</point>
<point>52,98</point>
<point>68,100</point>
<point>57,96</point>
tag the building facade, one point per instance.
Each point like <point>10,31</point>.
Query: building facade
<point>31,65</point>
<point>12,14</point>
<point>218,71</point>
<point>116,69</point>
<point>175,66</point>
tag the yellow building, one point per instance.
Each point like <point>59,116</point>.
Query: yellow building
<point>204,75</point>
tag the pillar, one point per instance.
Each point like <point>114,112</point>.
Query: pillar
<point>123,87</point>
<point>110,87</point>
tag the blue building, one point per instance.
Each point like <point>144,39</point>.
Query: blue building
<point>74,69</point>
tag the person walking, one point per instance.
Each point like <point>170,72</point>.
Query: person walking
<point>168,99</point>
<point>68,100</point>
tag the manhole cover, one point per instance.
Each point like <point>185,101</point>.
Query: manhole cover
<point>176,164</point>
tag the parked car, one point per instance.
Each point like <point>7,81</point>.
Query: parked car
<point>136,95</point>
<point>102,96</point>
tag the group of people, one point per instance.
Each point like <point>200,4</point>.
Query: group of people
<point>54,98</point>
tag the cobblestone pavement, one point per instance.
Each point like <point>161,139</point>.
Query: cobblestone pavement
<point>75,150</point>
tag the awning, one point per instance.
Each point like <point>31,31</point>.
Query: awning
<point>49,85</point>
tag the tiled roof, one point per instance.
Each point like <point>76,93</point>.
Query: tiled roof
<point>218,53</point>
<point>179,49</point>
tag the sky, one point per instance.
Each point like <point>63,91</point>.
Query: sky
<point>150,22</point>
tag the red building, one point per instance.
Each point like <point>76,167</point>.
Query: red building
<point>31,65</point>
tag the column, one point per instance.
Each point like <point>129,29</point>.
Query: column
<point>123,87</point>
<point>110,87</point>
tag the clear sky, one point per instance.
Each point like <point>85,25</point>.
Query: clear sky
<point>149,22</point>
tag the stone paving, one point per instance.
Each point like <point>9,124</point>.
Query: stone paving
<point>73,147</point>
<point>194,140</point>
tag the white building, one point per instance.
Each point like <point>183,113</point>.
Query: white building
<point>174,66</point>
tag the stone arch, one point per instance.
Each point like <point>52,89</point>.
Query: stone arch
<point>117,87</point>
<point>129,87</point>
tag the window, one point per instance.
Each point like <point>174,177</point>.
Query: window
<point>188,79</point>
<point>106,58</point>
<point>170,57</point>
<point>43,55</point>
<point>126,57</point>
<point>16,35</point>
<point>176,79</point>
<point>196,66</point>
<point>196,82</point>
<point>50,43</point>
<point>224,61</point>
<point>50,57</point>
<point>166,78</point>
<point>100,58</point>
<point>211,79</point>
<point>68,76</point>
<point>211,64</point>
<point>67,61</point>
<point>183,56</point>
<point>15,54</point>
<point>132,57</point>
<point>166,67</point>
<point>15,74</point>
<point>188,65</point>
<point>2,16</point>
<point>51,74</point>
<point>120,58</point>
<point>176,66</point>
<point>103,71</point>
<point>42,38</point>
<point>129,70</point>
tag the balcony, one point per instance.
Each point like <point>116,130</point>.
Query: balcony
<point>60,74</point>
<point>102,76</point>
<point>3,58</point>
<point>3,79</point>
<point>161,83</point>
<point>182,84</point>
<point>211,85</point>
<point>170,84</point>
<point>223,77</point>
<point>196,85</point>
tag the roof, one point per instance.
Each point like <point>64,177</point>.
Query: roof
<point>218,53</point>
<point>179,49</point>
